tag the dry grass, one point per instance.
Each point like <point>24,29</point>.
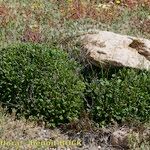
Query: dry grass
<point>141,24</point>
<point>80,10</point>
<point>19,134</point>
<point>139,138</point>
<point>23,132</point>
<point>41,21</point>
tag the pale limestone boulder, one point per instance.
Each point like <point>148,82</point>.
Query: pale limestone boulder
<point>111,49</point>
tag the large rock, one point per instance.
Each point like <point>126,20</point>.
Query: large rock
<point>111,49</point>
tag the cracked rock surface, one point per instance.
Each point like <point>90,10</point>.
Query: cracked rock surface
<point>111,49</point>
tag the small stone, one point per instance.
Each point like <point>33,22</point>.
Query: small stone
<point>99,147</point>
<point>119,138</point>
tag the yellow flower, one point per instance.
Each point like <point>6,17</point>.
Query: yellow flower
<point>117,1</point>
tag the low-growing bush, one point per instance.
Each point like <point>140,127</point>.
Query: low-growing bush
<point>123,97</point>
<point>41,83</point>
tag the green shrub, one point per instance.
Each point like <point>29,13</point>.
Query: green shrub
<point>124,97</point>
<point>40,82</point>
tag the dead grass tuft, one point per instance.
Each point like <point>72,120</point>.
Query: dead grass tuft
<point>143,25</point>
<point>78,9</point>
<point>32,34</point>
